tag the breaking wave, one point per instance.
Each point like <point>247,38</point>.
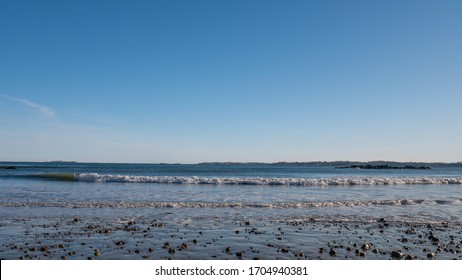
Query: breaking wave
<point>268,181</point>
<point>94,177</point>
<point>279,205</point>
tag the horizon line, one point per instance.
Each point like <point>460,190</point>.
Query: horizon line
<point>238,162</point>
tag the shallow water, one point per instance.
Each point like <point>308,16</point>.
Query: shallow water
<point>207,198</point>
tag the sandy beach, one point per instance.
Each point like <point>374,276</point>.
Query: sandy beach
<point>143,238</point>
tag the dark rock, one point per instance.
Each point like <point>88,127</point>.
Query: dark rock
<point>366,246</point>
<point>396,255</point>
<point>431,256</point>
<point>332,253</point>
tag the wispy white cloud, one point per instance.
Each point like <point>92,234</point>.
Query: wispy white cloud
<point>42,109</point>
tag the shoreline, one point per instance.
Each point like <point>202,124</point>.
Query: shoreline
<point>147,238</point>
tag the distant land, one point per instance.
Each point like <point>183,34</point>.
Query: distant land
<point>339,164</point>
<point>349,164</point>
<point>384,166</point>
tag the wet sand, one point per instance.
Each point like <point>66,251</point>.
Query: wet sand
<point>144,238</point>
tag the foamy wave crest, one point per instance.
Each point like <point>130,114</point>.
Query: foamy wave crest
<point>94,177</point>
<point>279,205</point>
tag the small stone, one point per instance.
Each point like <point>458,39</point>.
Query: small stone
<point>137,251</point>
<point>184,246</point>
<point>171,250</point>
<point>410,257</point>
<point>332,253</point>
<point>396,255</point>
<point>365,246</point>
<point>431,256</point>
<point>194,241</point>
<point>228,250</point>
<point>97,252</point>
<point>63,257</point>
<point>239,254</point>
<point>44,249</point>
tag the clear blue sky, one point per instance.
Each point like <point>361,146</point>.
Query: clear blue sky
<point>192,81</point>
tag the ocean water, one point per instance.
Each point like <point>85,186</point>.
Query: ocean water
<point>257,191</point>
<point>217,196</point>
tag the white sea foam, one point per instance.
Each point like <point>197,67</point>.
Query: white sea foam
<point>94,177</point>
<point>278,205</point>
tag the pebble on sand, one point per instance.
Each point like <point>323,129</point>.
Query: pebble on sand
<point>396,255</point>
<point>332,252</point>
